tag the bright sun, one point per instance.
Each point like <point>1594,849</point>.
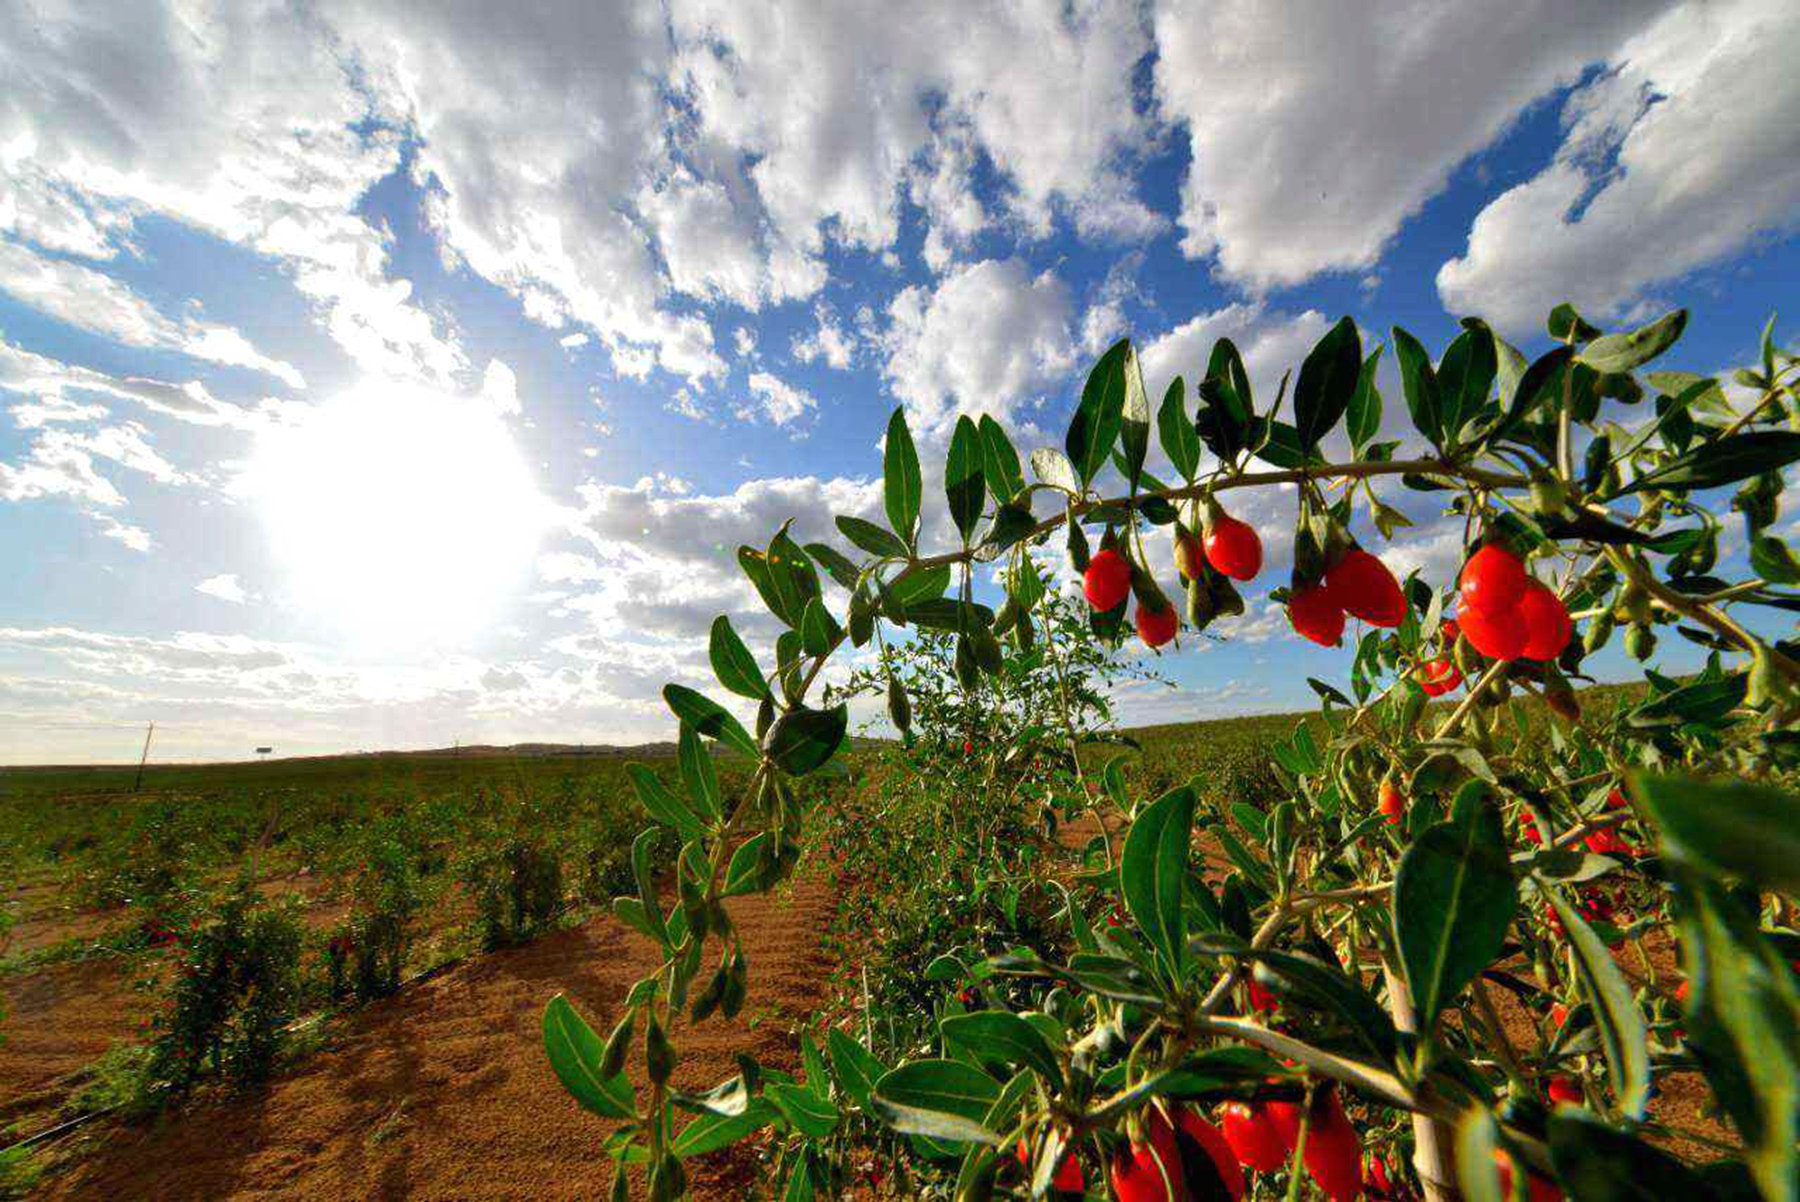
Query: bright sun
<point>398,514</point>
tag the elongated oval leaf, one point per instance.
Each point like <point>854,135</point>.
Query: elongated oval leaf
<point>1453,898</point>
<point>965,478</point>
<point>756,566</point>
<point>698,772</point>
<point>804,739</point>
<point>1598,1161</point>
<point>1363,419</point>
<point>999,1035</point>
<point>1134,419</point>
<point>710,1132</point>
<point>1729,827</point>
<point>855,1066</point>
<point>743,873</point>
<point>942,1099</point>
<point>1053,468</point>
<point>709,718</point>
<point>1465,377</point>
<point>1713,464</point>
<point>1328,379</point>
<point>1418,380</point>
<point>663,805</point>
<point>732,662</point>
<point>1153,872</point>
<point>1180,441</point>
<point>870,537</point>
<point>1616,1016</point>
<point>1000,461</point>
<point>1095,426</point>
<point>804,1110</point>
<point>575,1053</point>
<point>903,487</point>
<point>1622,352</point>
<point>819,631</point>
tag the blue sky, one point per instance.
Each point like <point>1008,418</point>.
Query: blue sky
<point>388,375</point>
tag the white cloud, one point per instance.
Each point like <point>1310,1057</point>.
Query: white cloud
<point>1677,157</point>
<point>776,401</point>
<point>224,587</point>
<point>1317,129</point>
<point>500,389</point>
<point>573,342</point>
<point>63,388</point>
<point>240,119</point>
<point>97,302</point>
<point>988,338</point>
<point>828,341</point>
<point>1271,343</point>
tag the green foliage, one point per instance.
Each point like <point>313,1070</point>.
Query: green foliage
<point>1317,908</point>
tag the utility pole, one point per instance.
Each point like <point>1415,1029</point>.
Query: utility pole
<point>139,782</point>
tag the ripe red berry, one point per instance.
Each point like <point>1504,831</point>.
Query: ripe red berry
<point>1156,626</point>
<point>1559,1014</point>
<point>1448,630</point>
<point>1193,1132</point>
<point>1234,548</point>
<point>1261,1000</point>
<point>1547,625</point>
<point>1681,993</point>
<point>1528,826</point>
<point>1144,1172</point>
<point>1497,634</point>
<point>1393,805</point>
<point>968,747</point>
<point>1375,1176</point>
<point>1362,586</point>
<point>1615,800</point>
<point>1333,1154</point>
<point>1316,616</point>
<point>1492,581</point>
<point>1439,676</point>
<point>1536,1188</point>
<point>1189,560</point>
<point>1607,842</point>
<point>1563,1091</point>
<point>1107,580</point>
<point>1252,1136</point>
<point>1069,1178</point>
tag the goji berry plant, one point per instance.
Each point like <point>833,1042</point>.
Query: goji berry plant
<point>1325,1018</point>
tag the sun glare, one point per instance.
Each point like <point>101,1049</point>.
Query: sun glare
<point>398,514</point>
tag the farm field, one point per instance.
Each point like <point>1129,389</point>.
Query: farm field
<point>441,1088</point>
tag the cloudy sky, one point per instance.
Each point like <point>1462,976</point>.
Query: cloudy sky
<point>386,374</point>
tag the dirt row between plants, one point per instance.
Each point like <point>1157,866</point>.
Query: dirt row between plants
<point>444,1091</point>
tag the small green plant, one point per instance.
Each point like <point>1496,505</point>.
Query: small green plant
<point>517,887</point>
<point>237,987</point>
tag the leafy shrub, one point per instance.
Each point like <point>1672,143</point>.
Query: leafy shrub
<point>517,887</point>
<point>236,989</point>
<point>1337,989</point>
<point>366,957</point>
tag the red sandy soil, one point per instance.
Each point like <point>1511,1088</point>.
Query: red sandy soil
<point>444,1091</point>
<point>60,1019</point>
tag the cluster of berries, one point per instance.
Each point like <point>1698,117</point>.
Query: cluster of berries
<point>1507,615</point>
<point>158,935</point>
<point>1183,1156</point>
<point>1440,674</point>
<point>1358,585</point>
<point>1228,546</point>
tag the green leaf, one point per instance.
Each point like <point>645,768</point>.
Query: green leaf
<point>1465,377</point>
<point>946,613</point>
<point>805,1111</point>
<point>575,1053</point>
<point>1424,399</point>
<point>742,874</point>
<point>1566,325</point>
<point>1000,461</point>
<point>1616,1016</point>
<point>802,740</point>
<point>756,566</point>
<point>1363,420</point>
<point>834,562</point>
<point>1742,1026</point>
<point>711,1132</point>
<point>1546,368</point>
<point>1601,1163</point>
<point>1734,828</point>
<point>996,1035</point>
<point>709,718</point>
<point>1726,461</point>
<point>1227,416</point>
<point>1706,701</point>
<point>1153,870</point>
<point>819,631</point>
<point>1453,898</point>
<point>1323,986</point>
<point>871,538</point>
<point>918,584</point>
<point>1053,468</point>
<point>1134,419</point>
<point>856,1067</point>
<point>1095,426</point>
<point>1774,560</point>
<point>663,805</point>
<point>1476,1143</point>
<point>941,1099</point>
<point>903,487</point>
<point>732,662</point>
<point>1623,352</point>
<point>1180,442</point>
<point>1328,379</point>
<point>965,483</point>
<point>698,772</point>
